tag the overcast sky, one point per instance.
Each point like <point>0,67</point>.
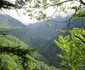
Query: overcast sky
<point>26,20</point>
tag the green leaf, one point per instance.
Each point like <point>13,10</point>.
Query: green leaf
<point>36,5</point>
<point>48,24</point>
<point>44,1</point>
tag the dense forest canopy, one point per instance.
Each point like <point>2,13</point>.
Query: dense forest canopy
<point>71,42</point>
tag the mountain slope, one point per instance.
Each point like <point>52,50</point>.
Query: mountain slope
<point>24,33</point>
<point>48,32</point>
<point>49,51</point>
<point>9,40</point>
<point>12,62</point>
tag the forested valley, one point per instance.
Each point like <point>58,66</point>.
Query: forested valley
<point>55,42</point>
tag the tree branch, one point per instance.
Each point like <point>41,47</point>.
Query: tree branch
<point>58,4</point>
<point>79,38</point>
<point>82,2</point>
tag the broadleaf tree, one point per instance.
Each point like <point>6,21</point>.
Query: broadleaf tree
<point>73,49</point>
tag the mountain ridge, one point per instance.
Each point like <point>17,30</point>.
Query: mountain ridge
<point>16,28</point>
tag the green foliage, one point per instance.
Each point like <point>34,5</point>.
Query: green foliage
<point>19,51</point>
<point>37,65</point>
<point>73,57</point>
<point>48,24</point>
<point>80,13</point>
<point>18,58</point>
<point>7,63</point>
<point>44,1</point>
<point>36,5</point>
<point>10,40</point>
<point>55,1</point>
<point>41,15</point>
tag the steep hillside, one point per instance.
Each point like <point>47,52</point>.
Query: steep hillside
<point>49,51</point>
<point>12,62</point>
<point>24,33</point>
<point>9,40</point>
